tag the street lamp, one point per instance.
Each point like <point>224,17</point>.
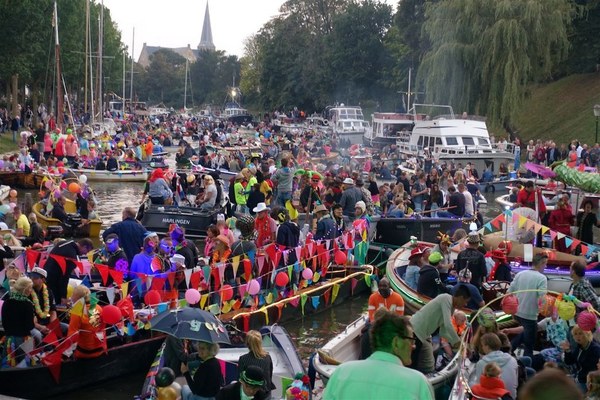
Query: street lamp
<point>597,115</point>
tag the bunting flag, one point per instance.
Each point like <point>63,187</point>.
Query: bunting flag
<point>568,241</point>
<point>235,263</point>
<point>316,277</point>
<point>285,256</point>
<point>545,229</point>
<point>61,261</point>
<point>334,292</point>
<point>327,295</point>
<point>315,300</point>
<point>260,260</point>
<point>203,300</point>
<point>237,305</point>
<point>188,275</point>
<point>303,299</point>
<point>522,221</point>
<point>32,257</point>
<point>265,311</point>
<point>298,250</point>
<point>124,289</point>
<point>269,298</point>
<point>552,234</point>
<point>214,309</point>
<point>294,302</point>
<point>158,283</point>
<point>368,280</point>
<point>53,362</point>
<point>103,270</point>
<point>226,307</point>
<point>162,307</point>
<point>488,226</point>
<point>576,243</point>
<point>247,270</point>
<point>117,276</point>
<point>289,271</point>
<point>353,283</point>
<point>279,310</point>
<point>110,294</point>
<point>251,256</point>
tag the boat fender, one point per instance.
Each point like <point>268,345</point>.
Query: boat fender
<point>326,358</point>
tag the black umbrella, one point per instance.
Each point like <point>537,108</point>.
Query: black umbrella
<point>191,323</point>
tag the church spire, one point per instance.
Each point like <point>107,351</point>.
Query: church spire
<point>206,40</point>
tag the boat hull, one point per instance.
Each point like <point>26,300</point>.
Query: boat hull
<point>112,176</point>
<point>397,231</point>
<point>194,220</point>
<point>37,382</point>
<point>21,180</point>
<point>95,224</point>
<point>378,141</point>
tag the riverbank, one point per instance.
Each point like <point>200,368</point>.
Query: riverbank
<point>7,146</point>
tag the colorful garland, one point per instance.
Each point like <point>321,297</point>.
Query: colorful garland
<point>36,303</point>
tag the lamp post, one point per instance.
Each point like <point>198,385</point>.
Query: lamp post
<point>597,115</point>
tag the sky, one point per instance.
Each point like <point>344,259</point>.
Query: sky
<point>177,23</point>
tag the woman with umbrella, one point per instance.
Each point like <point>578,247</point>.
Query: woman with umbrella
<point>208,379</point>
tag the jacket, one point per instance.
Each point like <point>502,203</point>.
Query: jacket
<point>509,370</point>
<point>430,283</point>
<point>585,360</point>
<point>325,229</point>
<point>491,388</point>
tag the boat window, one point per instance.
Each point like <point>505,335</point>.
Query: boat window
<point>451,141</point>
<point>483,141</point>
<point>468,140</point>
<point>347,124</point>
<point>420,141</point>
<point>438,141</point>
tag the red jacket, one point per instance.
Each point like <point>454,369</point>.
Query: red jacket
<point>527,199</point>
<point>489,388</point>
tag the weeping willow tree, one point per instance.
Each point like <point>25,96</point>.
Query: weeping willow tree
<point>484,52</point>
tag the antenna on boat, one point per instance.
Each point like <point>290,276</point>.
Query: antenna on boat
<point>409,93</point>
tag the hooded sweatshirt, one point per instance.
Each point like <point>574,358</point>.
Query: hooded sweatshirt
<point>490,388</point>
<point>509,370</point>
<point>430,283</point>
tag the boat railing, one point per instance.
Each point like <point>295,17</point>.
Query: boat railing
<point>510,147</point>
<point>473,149</point>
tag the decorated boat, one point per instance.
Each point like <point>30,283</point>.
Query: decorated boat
<point>348,122</point>
<point>113,176</point>
<point>41,381</point>
<point>95,225</point>
<point>386,127</point>
<point>346,346</point>
<point>398,231</point>
<point>22,180</point>
<point>276,341</point>
<point>195,220</point>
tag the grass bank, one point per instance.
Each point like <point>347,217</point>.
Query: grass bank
<point>7,145</point>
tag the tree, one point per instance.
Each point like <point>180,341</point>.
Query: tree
<point>483,53</point>
<point>165,79</point>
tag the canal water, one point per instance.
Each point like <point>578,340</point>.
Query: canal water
<point>308,334</point>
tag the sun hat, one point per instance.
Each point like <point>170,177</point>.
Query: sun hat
<point>417,251</point>
<point>253,376</point>
<point>260,207</point>
<point>320,208</point>
<point>38,272</point>
<point>177,259</point>
<point>348,181</point>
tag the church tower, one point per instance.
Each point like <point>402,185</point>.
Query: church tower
<point>206,40</point>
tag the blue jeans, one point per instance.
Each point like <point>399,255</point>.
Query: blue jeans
<point>527,337</point>
<point>186,394</point>
<point>446,214</point>
<point>283,197</point>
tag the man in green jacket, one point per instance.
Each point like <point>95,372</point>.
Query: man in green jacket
<point>383,375</point>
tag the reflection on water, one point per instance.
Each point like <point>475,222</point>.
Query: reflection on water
<point>114,196</point>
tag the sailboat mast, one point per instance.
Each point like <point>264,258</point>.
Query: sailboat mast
<point>100,49</point>
<point>123,98</point>
<point>185,86</point>
<point>131,79</point>
<point>87,52</point>
<point>59,93</point>
<point>408,93</point>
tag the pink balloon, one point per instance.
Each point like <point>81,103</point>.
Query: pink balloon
<point>48,184</point>
<point>253,287</point>
<point>192,296</point>
<point>307,274</point>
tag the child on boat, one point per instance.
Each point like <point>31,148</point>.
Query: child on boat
<point>490,384</point>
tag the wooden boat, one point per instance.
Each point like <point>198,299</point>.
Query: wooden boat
<point>22,180</point>
<point>112,176</point>
<point>37,382</point>
<point>347,281</point>
<point>414,301</point>
<point>324,158</point>
<point>45,221</point>
<point>346,346</point>
<point>276,341</point>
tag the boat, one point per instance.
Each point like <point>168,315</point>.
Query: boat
<point>414,301</point>
<point>346,346</point>
<point>37,382</point>
<point>347,122</point>
<point>332,156</point>
<point>234,113</point>
<point>386,128</point>
<point>194,220</point>
<point>46,222</point>
<point>112,176</point>
<point>276,341</point>
<point>397,231</point>
<point>439,134</point>
<point>317,122</point>
<point>22,180</point>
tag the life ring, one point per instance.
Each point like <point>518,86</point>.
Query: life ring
<point>325,122</point>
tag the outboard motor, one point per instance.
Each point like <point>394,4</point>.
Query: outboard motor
<point>54,232</point>
<point>71,224</point>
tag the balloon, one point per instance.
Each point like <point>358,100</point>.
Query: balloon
<point>152,298</point>
<point>22,166</point>
<point>12,206</point>
<point>63,185</point>
<point>82,179</point>
<point>74,187</point>
<point>48,184</point>
<point>192,296</point>
<point>566,309</point>
<point>13,193</point>
<point>226,292</point>
<point>57,194</point>
<point>164,377</point>
<point>253,287</point>
<point>282,279</point>
<point>167,393</point>
<point>69,291</point>
<point>340,257</point>
<point>510,304</point>
<point>111,314</point>
<point>587,320</point>
<point>307,274</point>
